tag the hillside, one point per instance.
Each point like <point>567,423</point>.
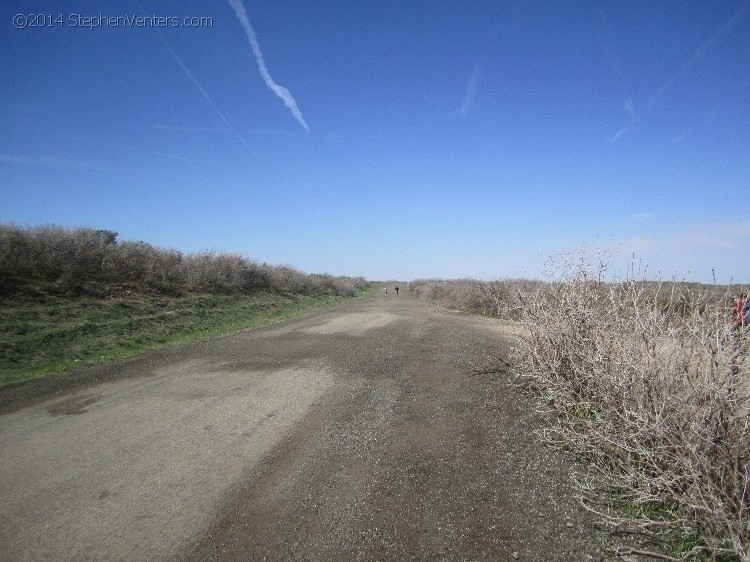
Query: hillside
<point>78,297</point>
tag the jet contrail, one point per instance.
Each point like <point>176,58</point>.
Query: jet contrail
<point>190,75</point>
<point>699,53</point>
<point>471,91</point>
<point>201,89</point>
<point>280,91</point>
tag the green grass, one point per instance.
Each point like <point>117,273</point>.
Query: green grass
<point>675,541</point>
<point>50,334</point>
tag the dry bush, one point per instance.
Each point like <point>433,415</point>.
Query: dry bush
<point>493,298</point>
<point>85,255</point>
<point>500,298</point>
<point>286,279</point>
<point>648,382</point>
<point>141,262</point>
<point>53,252</point>
<point>223,273</point>
<point>330,285</point>
<point>651,384</point>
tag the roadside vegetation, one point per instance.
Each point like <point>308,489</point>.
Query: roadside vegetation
<point>70,298</point>
<point>647,382</point>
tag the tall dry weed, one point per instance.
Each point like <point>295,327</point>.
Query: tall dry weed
<point>652,386</point>
<point>648,382</point>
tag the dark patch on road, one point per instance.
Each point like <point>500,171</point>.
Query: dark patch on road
<point>74,406</point>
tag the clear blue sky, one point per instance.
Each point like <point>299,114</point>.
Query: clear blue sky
<point>392,139</point>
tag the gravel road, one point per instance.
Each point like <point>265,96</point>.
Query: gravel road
<point>362,432</point>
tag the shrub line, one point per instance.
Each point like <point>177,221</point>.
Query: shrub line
<point>649,383</point>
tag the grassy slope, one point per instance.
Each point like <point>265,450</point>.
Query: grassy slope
<point>49,334</point>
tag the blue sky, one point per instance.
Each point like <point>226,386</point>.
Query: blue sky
<point>392,139</point>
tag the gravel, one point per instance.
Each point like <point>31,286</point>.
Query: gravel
<point>378,430</point>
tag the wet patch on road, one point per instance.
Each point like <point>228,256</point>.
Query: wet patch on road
<point>73,406</point>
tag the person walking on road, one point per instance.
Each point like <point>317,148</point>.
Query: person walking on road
<point>397,290</point>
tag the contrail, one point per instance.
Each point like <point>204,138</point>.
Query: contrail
<point>201,89</point>
<point>694,59</point>
<point>699,53</point>
<point>280,91</point>
<point>471,91</point>
<point>634,118</point>
<point>190,75</point>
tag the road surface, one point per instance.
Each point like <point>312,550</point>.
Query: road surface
<point>364,432</point>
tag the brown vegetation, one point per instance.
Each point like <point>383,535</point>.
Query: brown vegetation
<point>73,258</point>
<point>647,382</point>
<point>493,298</point>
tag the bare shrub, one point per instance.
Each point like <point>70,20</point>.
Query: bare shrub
<point>223,273</point>
<point>138,261</point>
<point>330,285</point>
<point>648,382</point>
<point>15,251</point>
<point>286,279</point>
<point>83,255</point>
<point>493,298</point>
<point>652,386</point>
<point>53,252</point>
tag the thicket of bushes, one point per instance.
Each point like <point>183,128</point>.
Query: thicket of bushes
<point>84,255</point>
<point>493,298</point>
<point>650,384</point>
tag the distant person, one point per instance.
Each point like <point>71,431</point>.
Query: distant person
<point>386,290</point>
<point>396,291</point>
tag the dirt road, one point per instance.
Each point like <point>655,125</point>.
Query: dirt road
<point>359,433</point>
